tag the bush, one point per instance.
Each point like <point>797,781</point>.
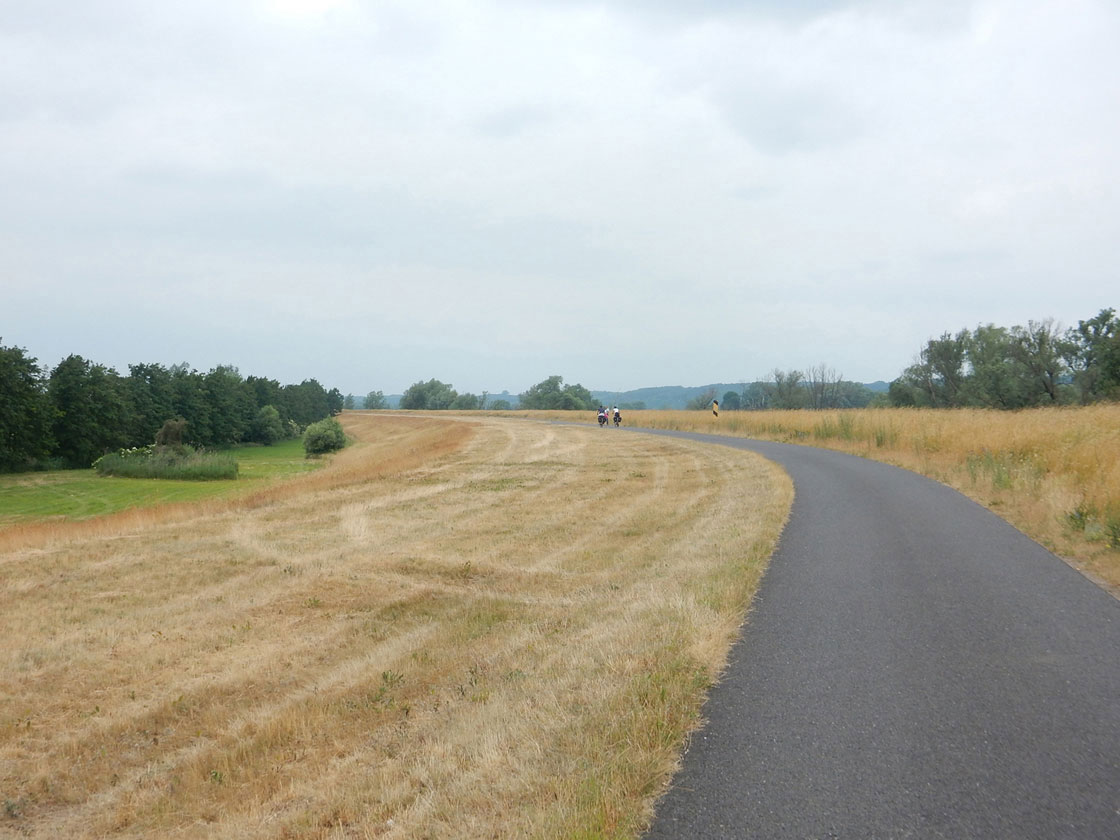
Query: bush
<point>173,462</point>
<point>324,436</point>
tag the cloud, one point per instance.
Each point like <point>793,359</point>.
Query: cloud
<point>778,121</point>
<point>499,190</point>
<point>515,120</point>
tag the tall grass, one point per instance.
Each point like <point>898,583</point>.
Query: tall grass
<point>170,463</point>
<point>1052,472</point>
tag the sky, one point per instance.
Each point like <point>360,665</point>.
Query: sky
<point>627,193</point>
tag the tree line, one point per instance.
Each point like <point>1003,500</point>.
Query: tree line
<point>80,410</point>
<point>988,367</point>
<point>434,395</point>
<point>1016,367</point>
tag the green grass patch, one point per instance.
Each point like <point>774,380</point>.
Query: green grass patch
<point>81,494</point>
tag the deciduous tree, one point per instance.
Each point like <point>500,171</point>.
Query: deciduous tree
<point>552,394</point>
<point>267,427</point>
<point>25,411</point>
<point>151,399</point>
<point>90,416</point>
<point>432,395</point>
<point>1038,350</point>
<point>1092,350</point>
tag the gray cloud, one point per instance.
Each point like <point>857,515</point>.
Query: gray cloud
<point>514,120</point>
<point>374,193</point>
<point>780,122</point>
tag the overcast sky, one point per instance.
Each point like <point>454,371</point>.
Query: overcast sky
<point>626,193</point>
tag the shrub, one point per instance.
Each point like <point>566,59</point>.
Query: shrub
<point>324,436</point>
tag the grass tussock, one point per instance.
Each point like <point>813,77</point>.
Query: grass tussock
<point>456,629</point>
<point>1054,473</point>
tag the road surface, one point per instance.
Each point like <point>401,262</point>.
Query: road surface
<point>913,667</point>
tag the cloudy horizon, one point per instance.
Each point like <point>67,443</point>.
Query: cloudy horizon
<point>488,193</point>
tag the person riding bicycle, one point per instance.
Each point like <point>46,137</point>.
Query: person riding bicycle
<point>617,415</point>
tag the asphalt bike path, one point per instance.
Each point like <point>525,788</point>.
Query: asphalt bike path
<point>912,667</point>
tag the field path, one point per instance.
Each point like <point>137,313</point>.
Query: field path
<point>913,667</point>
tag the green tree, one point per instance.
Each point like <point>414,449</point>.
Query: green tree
<point>553,395</point>
<point>349,403</point>
<point>854,395</point>
<point>731,401</point>
<point>151,398</point>
<point>376,400</point>
<point>432,395</point>
<point>90,414</point>
<point>904,393</point>
<point>1038,351</point>
<point>232,407</point>
<point>756,396</point>
<point>939,374</point>
<point>25,411</point>
<point>335,402</point>
<point>1092,351</point>
<point>192,404</point>
<point>266,392</point>
<point>788,389</point>
<point>267,427</point>
<point>466,402</point>
<point>995,379</point>
<point>308,402</point>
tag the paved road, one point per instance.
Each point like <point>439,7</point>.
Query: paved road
<point>913,667</point>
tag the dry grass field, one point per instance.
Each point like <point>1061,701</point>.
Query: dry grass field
<point>1053,473</point>
<point>460,628</point>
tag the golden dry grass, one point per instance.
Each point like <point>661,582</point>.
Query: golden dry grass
<point>1053,473</point>
<point>460,628</point>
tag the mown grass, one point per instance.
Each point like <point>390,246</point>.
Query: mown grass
<point>457,629</point>
<point>81,494</point>
<point>1054,473</point>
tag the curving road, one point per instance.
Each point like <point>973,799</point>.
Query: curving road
<point>913,667</point>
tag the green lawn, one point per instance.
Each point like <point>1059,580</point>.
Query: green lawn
<point>79,494</point>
